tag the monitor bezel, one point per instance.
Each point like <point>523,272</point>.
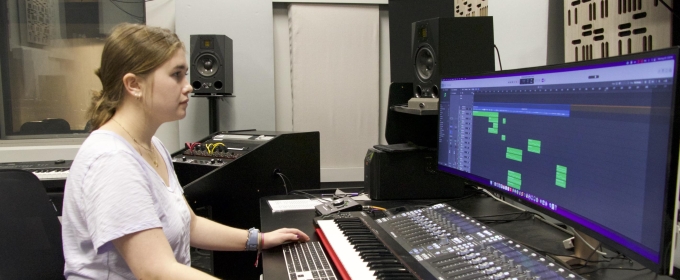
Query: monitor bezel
<point>670,209</point>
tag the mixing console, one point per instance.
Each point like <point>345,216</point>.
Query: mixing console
<point>449,243</point>
<point>437,242</point>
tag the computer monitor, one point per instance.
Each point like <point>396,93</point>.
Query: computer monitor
<point>593,144</point>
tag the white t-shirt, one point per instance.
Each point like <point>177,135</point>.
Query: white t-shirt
<point>111,191</point>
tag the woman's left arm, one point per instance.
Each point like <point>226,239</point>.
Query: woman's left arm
<point>209,235</point>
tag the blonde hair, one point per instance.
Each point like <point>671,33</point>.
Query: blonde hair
<point>131,48</point>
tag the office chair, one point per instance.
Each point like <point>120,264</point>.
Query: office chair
<point>46,126</point>
<point>55,126</point>
<point>30,238</point>
<point>32,127</point>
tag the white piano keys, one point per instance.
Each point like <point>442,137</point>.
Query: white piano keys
<point>51,174</point>
<point>349,257</point>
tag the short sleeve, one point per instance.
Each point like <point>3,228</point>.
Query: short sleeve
<point>166,155</point>
<point>117,198</point>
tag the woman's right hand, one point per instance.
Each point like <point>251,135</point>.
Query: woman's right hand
<point>281,236</point>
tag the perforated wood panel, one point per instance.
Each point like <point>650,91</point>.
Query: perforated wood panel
<point>472,8</point>
<point>603,28</point>
<point>38,21</point>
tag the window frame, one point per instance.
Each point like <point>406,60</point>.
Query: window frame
<point>7,134</point>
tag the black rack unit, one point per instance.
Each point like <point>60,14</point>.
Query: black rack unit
<point>229,191</point>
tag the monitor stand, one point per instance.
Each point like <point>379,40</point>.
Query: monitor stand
<point>582,252</point>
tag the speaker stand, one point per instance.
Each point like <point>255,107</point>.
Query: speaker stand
<point>212,115</point>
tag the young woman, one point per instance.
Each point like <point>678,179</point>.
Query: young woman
<point>124,213</point>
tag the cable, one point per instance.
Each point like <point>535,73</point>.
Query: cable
<point>311,196</point>
<point>536,214</point>
<point>499,57</point>
<point>376,208</point>
<point>618,268</point>
<point>372,210</point>
<point>511,205</point>
<point>585,260</point>
<point>284,182</point>
<point>586,242</point>
<point>211,147</point>
<point>669,8</point>
<point>489,221</point>
<point>477,191</point>
<point>191,146</point>
<point>289,181</point>
<point>140,18</point>
<point>574,257</point>
<point>499,215</point>
<point>503,201</point>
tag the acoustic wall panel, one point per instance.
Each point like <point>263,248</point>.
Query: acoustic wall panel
<point>472,8</point>
<point>603,28</point>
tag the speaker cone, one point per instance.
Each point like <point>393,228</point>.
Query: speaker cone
<point>206,65</point>
<point>424,63</point>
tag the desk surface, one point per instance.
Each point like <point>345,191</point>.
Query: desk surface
<point>532,232</point>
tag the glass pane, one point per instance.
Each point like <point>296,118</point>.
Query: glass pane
<point>49,53</point>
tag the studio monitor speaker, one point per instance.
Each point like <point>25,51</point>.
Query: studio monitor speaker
<point>211,65</point>
<point>449,46</point>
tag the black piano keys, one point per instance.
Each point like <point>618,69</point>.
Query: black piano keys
<point>377,257</point>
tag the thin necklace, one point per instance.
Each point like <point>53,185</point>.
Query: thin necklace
<point>151,153</point>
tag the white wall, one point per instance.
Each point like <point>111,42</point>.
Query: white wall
<point>161,13</point>
<point>259,30</point>
<point>521,35</point>
<point>282,84</point>
<point>250,26</point>
<point>38,150</point>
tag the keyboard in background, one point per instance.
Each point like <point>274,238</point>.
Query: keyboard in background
<point>44,170</point>
<point>52,175</point>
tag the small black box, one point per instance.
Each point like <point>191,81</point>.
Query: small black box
<point>408,175</point>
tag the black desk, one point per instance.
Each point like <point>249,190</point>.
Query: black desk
<point>532,232</point>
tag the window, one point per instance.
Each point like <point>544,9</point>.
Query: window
<point>49,51</point>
